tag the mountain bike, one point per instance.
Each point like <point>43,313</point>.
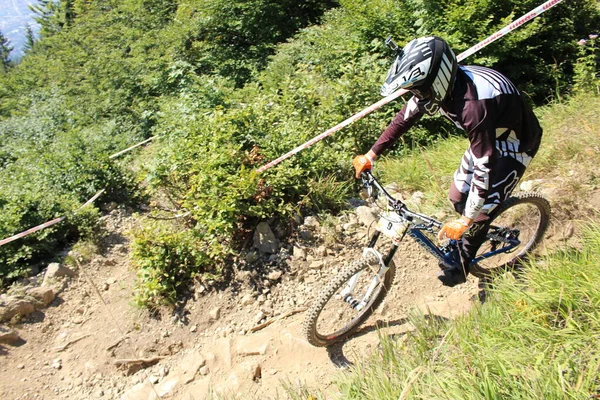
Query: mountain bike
<point>517,226</point>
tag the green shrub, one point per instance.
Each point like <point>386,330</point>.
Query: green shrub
<point>167,256</point>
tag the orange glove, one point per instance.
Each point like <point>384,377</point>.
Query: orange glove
<point>362,163</point>
<point>455,229</point>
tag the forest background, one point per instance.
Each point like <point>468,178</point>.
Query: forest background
<point>226,86</point>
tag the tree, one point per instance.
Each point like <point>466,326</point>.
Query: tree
<point>29,39</point>
<point>5,49</point>
<point>236,37</point>
<point>53,16</point>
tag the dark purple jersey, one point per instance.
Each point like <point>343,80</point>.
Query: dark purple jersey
<point>486,105</point>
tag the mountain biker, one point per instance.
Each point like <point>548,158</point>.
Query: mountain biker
<point>503,132</point>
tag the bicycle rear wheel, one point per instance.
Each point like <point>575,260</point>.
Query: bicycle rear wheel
<point>334,314</point>
<point>526,217</point>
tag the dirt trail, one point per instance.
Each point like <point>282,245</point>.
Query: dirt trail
<point>204,347</point>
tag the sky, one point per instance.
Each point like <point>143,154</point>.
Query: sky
<point>14,16</point>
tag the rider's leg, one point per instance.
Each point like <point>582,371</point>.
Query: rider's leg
<point>506,175</point>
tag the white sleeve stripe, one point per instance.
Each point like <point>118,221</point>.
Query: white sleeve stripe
<point>506,85</point>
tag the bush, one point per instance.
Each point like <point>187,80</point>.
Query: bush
<point>167,256</point>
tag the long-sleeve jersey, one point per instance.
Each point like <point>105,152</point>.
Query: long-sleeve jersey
<point>486,105</point>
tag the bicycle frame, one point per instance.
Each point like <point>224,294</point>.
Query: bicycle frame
<point>448,254</point>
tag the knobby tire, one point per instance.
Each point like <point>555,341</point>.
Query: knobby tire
<point>340,280</point>
<point>529,198</point>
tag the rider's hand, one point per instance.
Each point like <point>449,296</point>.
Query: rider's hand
<point>455,229</point>
<point>362,163</point>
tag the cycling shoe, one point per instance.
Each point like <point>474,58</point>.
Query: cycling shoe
<point>452,276</point>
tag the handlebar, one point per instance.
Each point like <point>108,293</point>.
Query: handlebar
<point>370,181</point>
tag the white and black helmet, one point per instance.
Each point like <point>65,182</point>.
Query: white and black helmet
<point>427,67</point>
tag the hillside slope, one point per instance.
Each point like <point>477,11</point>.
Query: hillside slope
<point>91,342</point>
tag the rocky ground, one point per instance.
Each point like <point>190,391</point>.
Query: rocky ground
<point>73,333</point>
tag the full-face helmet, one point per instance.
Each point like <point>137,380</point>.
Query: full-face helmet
<point>426,67</point>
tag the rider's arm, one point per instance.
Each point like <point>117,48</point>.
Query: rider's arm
<point>403,121</point>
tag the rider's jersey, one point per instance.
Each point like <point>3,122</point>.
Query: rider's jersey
<point>498,122</point>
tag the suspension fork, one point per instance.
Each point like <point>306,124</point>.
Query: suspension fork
<point>346,293</point>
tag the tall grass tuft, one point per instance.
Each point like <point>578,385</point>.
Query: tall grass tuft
<point>535,338</point>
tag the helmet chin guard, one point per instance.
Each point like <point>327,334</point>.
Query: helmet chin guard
<point>427,67</point>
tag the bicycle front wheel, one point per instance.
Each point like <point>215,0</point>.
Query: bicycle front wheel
<point>338,311</point>
<point>524,217</point>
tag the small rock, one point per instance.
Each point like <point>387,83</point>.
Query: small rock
<point>110,262</point>
<point>43,295</point>
<point>252,256</point>
<point>32,270</point>
<point>55,270</point>
<point>204,371</point>
<point>321,251</point>
<point>305,234</point>
<point>567,231</point>
<point>358,202</point>
<point>189,366</point>
<point>417,198</point>
<point>153,379</point>
<point>56,363</point>
<point>163,371</point>
<point>317,264</point>
<point>366,215</point>
<point>392,188</point>
<point>275,275</point>
<point>268,311</point>
<point>247,299</point>
<point>140,391</point>
<point>215,313</point>
<point>15,306</point>
<point>264,239</point>
<point>8,336</point>
<point>349,226</point>
<point>259,317</point>
<point>299,253</point>
<point>528,186</point>
<point>194,328</point>
<point>311,222</point>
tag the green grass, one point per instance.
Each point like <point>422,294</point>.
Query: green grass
<point>429,171</point>
<point>571,137</point>
<point>535,338</point>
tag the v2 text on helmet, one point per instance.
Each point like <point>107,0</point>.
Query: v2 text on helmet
<point>427,67</point>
